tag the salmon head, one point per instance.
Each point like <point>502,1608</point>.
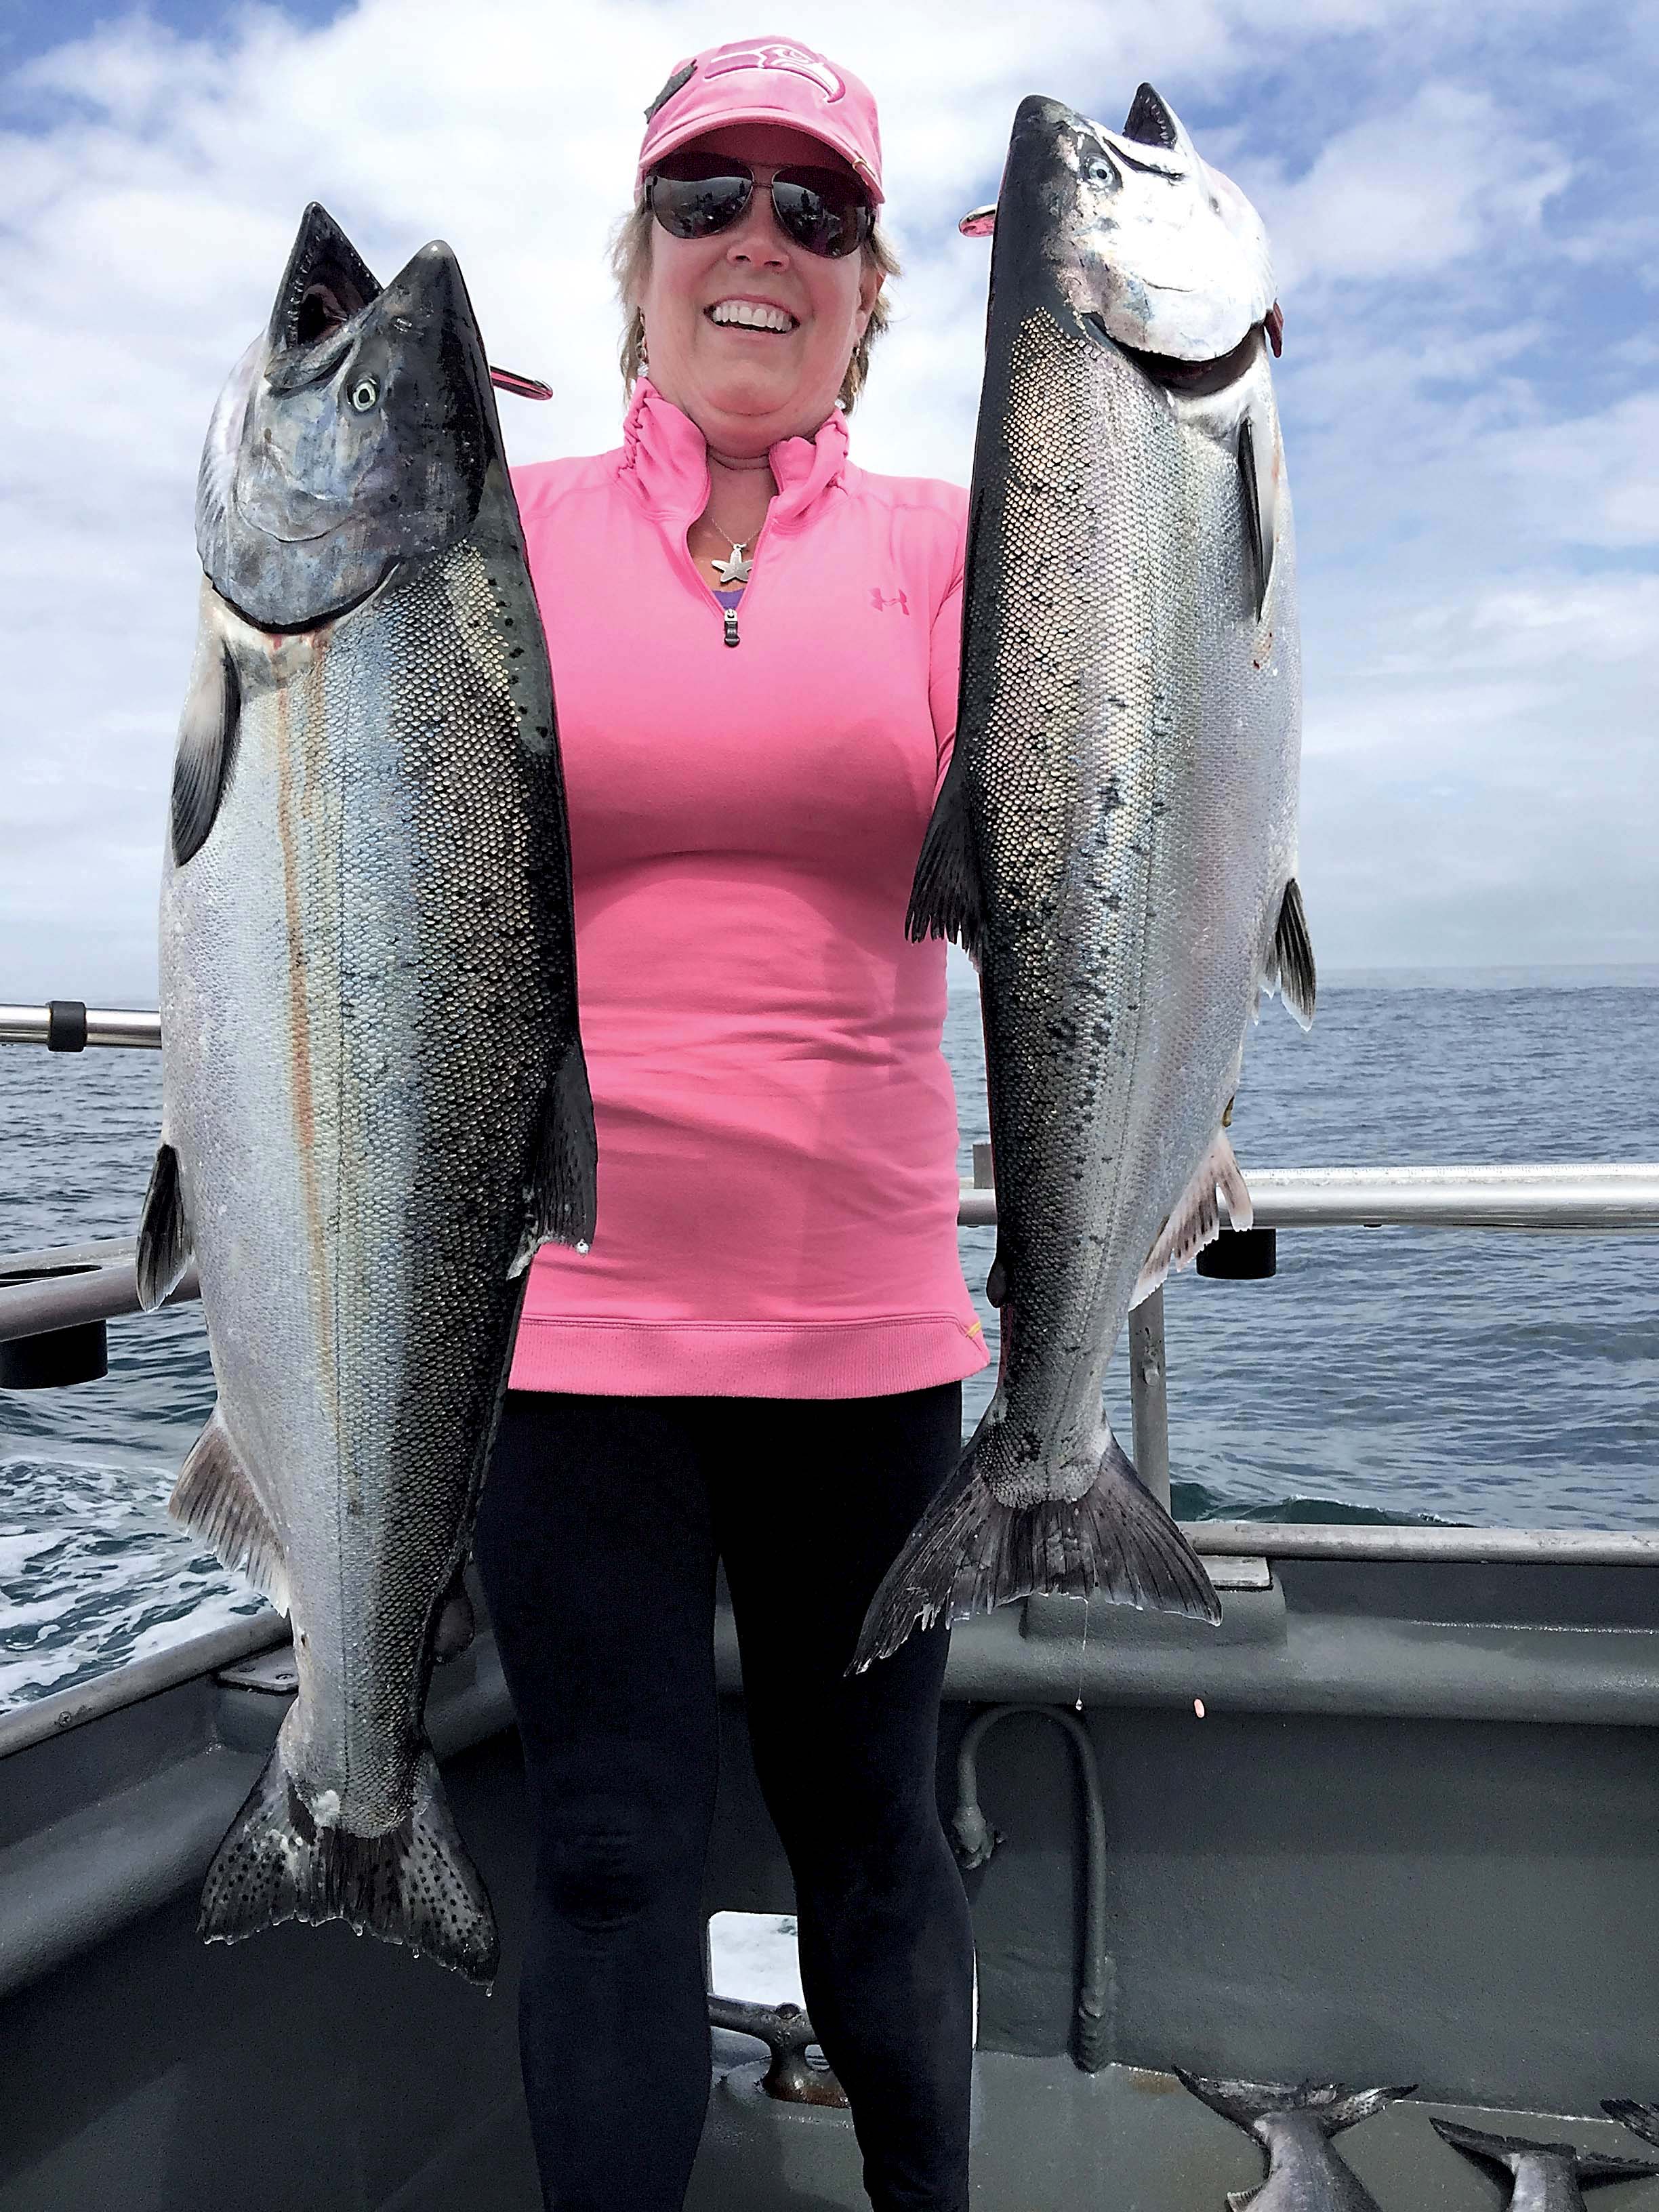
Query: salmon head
<point>1131,235</point>
<point>353,436</point>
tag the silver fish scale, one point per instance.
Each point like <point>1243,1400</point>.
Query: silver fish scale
<point>366,988</point>
<point>1132,741</point>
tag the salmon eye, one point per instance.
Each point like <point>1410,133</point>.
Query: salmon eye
<point>364,393</point>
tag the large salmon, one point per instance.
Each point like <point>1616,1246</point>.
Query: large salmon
<point>374,1101</point>
<point>1115,839</point>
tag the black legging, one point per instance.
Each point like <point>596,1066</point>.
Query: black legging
<point>598,1532</point>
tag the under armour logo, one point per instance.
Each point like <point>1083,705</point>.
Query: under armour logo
<point>881,605</point>
<point>772,53</point>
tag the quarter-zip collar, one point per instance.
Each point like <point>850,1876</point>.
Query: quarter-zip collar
<point>667,457</point>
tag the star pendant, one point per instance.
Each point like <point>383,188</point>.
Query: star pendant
<point>734,571</point>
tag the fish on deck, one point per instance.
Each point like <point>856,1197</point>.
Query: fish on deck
<point>1295,2125</point>
<point>375,1106</point>
<point>1546,2176</point>
<point>1115,839</point>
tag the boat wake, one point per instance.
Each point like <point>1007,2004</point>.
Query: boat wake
<point>94,1574</point>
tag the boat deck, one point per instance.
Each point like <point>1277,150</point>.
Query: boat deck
<point>1048,2138</point>
<point>1417,1837</point>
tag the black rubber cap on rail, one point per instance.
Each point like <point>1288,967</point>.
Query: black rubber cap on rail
<point>57,1359</point>
<point>1239,1255</point>
<point>66,1025</point>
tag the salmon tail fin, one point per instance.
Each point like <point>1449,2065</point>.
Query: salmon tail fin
<point>561,1195</point>
<point>1334,2107</point>
<point>946,899</point>
<point>414,1884</point>
<point>970,1552</point>
<point>1506,2151</point>
<point>1641,2119</point>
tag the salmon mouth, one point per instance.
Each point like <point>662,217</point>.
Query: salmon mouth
<point>1196,380</point>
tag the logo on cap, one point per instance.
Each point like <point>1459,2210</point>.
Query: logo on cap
<point>772,53</point>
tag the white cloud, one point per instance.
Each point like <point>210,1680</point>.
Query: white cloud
<point>1594,480</point>
<point>1401,194</point>
<point>153,194</point>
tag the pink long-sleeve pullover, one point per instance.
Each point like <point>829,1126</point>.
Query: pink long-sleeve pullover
<point>777,1183</point>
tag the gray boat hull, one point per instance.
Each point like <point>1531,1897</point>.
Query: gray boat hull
<point>1415,1837</point>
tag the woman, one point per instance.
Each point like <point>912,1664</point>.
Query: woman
<point>755,652</point>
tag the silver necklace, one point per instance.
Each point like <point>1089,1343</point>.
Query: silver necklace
<point>736,570</point>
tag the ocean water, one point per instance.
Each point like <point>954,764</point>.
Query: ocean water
<point>1387,1373</point>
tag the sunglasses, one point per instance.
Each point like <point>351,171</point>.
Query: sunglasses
<point>697,195</point>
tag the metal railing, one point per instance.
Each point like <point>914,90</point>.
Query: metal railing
<point>41,1292</point>
<point>67,1025</point>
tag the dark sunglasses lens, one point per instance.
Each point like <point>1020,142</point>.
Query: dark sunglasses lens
<point>694,195</point>
<point>821,210</point>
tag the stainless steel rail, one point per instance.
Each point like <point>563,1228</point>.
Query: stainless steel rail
<point>66,1025</point>
<point>1581,1197</point>
<point>40,1291</point>
<point>1424,1545</point>
<point>64,1288</point>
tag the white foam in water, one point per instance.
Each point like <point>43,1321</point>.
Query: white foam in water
<point>93,1574</point>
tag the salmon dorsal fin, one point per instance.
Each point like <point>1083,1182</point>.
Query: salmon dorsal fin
<point>1291,962</point>
<point>1195,1220</point>
<point>214,1498</point>
<point>163,1233</point>
<point>946,899</point>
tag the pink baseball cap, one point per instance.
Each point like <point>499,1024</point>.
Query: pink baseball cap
<point>766,80</point>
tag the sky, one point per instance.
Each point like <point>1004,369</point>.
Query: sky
<point>1466,238</point>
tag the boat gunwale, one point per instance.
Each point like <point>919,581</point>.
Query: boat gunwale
<point>135,1679</point>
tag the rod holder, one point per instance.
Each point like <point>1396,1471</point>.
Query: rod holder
<point>1241,1255</point>
<point>57,1359</point>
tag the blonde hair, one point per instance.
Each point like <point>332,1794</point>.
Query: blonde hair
<point>630,259</point>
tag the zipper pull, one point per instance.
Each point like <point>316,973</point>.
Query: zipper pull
<point>731,614</point>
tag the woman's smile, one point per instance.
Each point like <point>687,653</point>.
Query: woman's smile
<point>743,314</point>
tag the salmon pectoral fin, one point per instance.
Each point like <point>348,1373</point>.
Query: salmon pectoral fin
<point>414,1884</point>
<point>561,1195</point>
<point>1258,489</point>
<point>1290,964</point>
<point>164,1242</point>
<point>214,1500</point>
<point>1195,1220</point>
<point>970,1552</point>
<point>1237,2199</point>
<point>947,899</point>
<point>207,748</point>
